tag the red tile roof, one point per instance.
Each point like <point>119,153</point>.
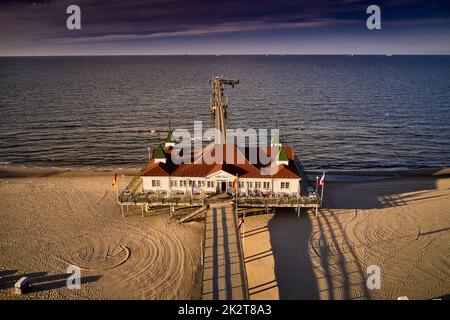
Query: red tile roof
<point>230,158</point>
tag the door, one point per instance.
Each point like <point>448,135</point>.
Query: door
<point>223,186</point>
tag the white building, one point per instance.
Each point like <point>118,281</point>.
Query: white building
<point>214,168</point>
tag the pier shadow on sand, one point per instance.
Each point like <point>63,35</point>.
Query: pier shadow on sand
<point>314,262</point>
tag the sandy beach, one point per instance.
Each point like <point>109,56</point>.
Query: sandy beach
<point>401,225</point>
<point>52,219</point>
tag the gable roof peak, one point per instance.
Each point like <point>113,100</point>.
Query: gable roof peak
<point>170,138</point>
<point>276,141</point>
<point>282,156</point>
<point>160,154</point>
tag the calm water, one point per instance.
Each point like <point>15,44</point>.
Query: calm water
<point>339,112</point>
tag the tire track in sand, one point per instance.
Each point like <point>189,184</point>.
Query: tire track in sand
<point>133,263</point>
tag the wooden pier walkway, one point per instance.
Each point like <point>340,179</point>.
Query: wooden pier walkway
<point>224,274</point>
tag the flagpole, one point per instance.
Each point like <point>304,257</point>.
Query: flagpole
<point>117,191</point>
<point>236,192</point>
<point>236,199</point>
<point>243,231</point>
<point>323,186</point>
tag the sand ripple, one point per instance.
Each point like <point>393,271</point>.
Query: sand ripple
<point>134,264</point>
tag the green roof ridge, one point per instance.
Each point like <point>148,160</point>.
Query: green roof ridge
<point>282,156</point>
<point>160,154</point>
<point>276,139</point>
<point>169,138</point>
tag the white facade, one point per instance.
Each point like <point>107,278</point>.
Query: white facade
<point>220,181</point>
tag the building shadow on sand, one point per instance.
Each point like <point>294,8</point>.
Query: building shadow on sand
<point>40,281</point>
<point>392,192</point>
<point>293,265</point>
<point>314,259</point>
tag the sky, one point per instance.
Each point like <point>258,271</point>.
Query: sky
<point>160,27</point>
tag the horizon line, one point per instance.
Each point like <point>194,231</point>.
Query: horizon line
<point>225,54</point>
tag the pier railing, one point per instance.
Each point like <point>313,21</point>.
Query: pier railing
<point>160,199</point>
<point>278,201</point>
<point>134,187</point>
<point>200,200</point>
<point>133,195</point>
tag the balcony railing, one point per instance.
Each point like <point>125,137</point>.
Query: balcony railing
<point>290,201</point>
<point>160,199</point>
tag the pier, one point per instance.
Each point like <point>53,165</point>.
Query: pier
<point>223,270</point>
<point>219,104</point>
<point>224,275</point>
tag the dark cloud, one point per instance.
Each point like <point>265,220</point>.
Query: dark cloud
<point>38,26</point>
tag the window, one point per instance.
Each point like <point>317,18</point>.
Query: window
<point>230,184</point>
<point>258,184</point>
<point>156,183</point>
<point>241,184</point>
<point>249,184</point>
<point>173,183</point>
<point>284,185</point>
<point>266,185</point>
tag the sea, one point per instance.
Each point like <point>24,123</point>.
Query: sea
<point>338,112</point>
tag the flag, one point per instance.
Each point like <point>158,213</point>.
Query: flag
<point>241,221</point>
<point>235,183</point>
<point>115,180</point>
<point>322,180</point>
